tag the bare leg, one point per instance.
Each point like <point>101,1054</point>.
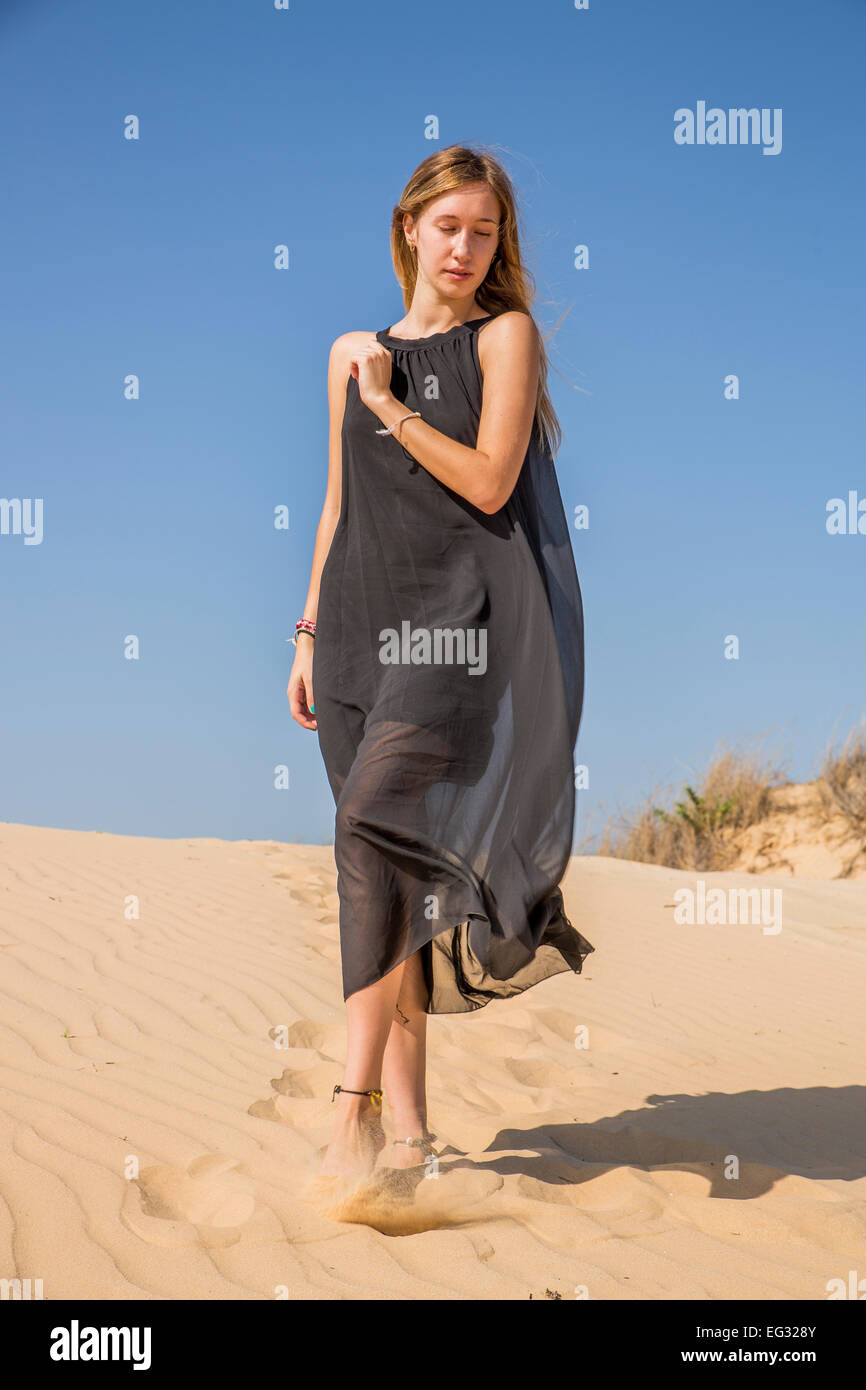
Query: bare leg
<point>404,1065</point>
<point>395,766</point>
<point>358,1136</point>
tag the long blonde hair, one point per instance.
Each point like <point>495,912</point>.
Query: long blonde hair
<point>509,284</point>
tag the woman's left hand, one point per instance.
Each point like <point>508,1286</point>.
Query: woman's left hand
<point>371,367</point>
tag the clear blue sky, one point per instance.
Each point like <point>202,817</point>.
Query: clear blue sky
<point>155,257</point>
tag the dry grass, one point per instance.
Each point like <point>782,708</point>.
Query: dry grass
<point>842,781</point>
<point>699,831</point>
<point>841,787</point>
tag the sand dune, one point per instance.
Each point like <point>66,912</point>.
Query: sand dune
<point>797,837</point>
<point>171,1027</point>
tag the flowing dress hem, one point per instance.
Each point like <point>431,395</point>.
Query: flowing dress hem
<point>457,983</point>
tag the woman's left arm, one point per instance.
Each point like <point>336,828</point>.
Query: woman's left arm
<point>486,475</point>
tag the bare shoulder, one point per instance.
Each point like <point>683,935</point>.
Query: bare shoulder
<point>511,336</point>
<point>343,349</point>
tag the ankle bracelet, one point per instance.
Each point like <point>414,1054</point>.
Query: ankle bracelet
<point>418,1142</point>
<point>375,1095</point>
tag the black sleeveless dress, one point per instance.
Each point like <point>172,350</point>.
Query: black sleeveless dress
<point>448,685</point>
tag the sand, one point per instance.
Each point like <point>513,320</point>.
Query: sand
<point>171,1028</point>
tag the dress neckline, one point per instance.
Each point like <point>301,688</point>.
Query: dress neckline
<point>385,337</point>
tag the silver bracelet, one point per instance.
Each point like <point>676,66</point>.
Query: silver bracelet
<point>399,422</point>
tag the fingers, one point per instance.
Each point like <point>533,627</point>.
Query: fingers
<point>370,352</point>
<point>301,712</point>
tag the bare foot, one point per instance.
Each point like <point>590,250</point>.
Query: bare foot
<point>358,1139</point>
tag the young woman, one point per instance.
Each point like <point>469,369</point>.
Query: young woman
<point>440,656</point>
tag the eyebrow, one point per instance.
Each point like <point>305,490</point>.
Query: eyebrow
<point>455,218</point>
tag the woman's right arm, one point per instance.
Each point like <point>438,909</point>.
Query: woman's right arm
<point>300,687</point>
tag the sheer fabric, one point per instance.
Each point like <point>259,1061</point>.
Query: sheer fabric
<point>448,679</point>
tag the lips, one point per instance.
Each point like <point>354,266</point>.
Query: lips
<point>458,274</point>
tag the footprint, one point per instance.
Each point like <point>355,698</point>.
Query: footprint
<point>330,953</point>
<point>539,1073</point>
<point>329,1040</point>
<point>210,1204</point>
<point>311,897</point>
<point>312,1083</point>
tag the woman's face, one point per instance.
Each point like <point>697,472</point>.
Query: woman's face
<point>456,238</point>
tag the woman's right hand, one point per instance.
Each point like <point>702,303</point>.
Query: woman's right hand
<point>300,687</point>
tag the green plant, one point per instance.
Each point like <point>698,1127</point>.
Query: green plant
<point>701,815</point>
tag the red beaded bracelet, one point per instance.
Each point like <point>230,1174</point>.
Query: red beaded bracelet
<point>303,625</point>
